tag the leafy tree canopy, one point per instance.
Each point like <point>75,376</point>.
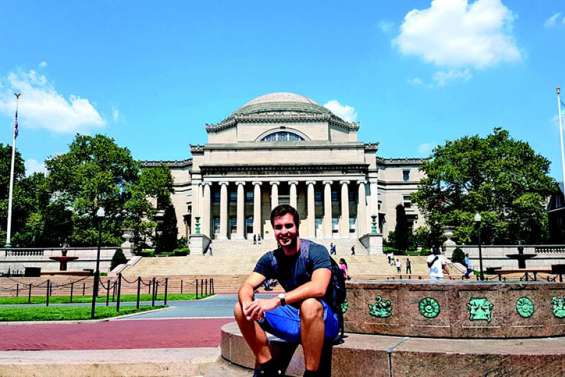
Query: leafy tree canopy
<point>96,172</point>
<point>497,176</point>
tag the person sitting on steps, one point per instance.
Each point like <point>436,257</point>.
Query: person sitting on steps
<point>300,315</point>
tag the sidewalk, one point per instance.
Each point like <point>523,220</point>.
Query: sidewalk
<point>181,340</point>
<point>123,334</point>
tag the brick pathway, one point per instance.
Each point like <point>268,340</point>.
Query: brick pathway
<point>123,334</point>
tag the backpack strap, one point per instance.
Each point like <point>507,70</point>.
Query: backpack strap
<point>430,264</point>
<point>305,254</point>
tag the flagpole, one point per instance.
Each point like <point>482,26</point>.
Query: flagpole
<point>561,134</point>
<point>10,195</point>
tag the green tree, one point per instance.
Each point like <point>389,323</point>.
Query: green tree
<point>117,259</point>
<point>402,231</point>
<point>502,178</point>
<point>96,172</point>
<point>167,231</point>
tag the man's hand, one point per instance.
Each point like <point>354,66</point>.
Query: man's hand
<point>255,310</point>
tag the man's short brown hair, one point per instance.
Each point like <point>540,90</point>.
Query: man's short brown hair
<point>284,209</point>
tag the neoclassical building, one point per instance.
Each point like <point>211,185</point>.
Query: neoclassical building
<point>285,148</point>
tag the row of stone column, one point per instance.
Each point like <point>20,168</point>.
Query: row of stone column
<point>362,218</point>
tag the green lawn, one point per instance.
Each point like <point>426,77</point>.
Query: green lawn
<point>102,298</point>
<point>59,313</point>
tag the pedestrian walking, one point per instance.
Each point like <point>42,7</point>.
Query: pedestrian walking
<point>408,266</point>
<point>353,250</point>
<point>437,265</point>
<point>398,265</point>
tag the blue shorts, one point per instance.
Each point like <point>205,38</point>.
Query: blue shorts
<point>284,322</point>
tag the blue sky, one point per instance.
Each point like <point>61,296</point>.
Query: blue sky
<point>151,75</point>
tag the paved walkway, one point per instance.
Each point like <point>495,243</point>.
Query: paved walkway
<point>184,324</point>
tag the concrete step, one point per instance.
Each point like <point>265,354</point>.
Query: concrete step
<point>244,264</point>
<point>177,362</point>
<point>387,356</point>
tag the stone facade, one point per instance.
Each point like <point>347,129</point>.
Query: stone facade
<point>284,148</point>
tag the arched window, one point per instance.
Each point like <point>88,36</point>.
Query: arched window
<point>282,136</point>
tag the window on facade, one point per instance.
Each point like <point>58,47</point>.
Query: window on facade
<point>249,224</point>
<point>352,196</point>
<point>249,197</point>
<point>282,136</point>
<point>407,201</point>
<point>232,196</point>
<point>215,196</point>
<point>232,225</point>
<point>318,196</point>
<point>380,204</point>
<point>216,225</point>
<point>406,175</point>
<point>318,222</point>
<point>335,225</point>
<point>284,199</point>
<point>334,196</point>
<point>352,224</point>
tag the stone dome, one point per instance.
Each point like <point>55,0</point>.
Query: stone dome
<point>281,102</point>
<point>280,97</point>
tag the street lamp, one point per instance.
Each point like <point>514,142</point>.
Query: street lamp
<point>100,213</point>
<point>478,221</point>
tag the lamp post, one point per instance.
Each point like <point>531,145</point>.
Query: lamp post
<point>478,221</point>
<point>100,213</point>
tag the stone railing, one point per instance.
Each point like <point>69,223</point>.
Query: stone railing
<point>24,252</point>
<point>497,255</point>
<point>550,249</point>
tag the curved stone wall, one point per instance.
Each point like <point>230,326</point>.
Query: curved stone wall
<point>456,309</point>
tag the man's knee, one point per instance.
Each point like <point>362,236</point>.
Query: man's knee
<point>311,309</point>
<point>237,312</point>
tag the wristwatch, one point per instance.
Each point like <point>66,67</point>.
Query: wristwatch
<point>282,299</point>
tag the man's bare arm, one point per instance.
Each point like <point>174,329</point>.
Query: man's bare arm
<point>249,286</point>
<point>315,288</point>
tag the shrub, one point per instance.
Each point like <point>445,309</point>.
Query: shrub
<point>458,256</point>
<point>117,259</point>
<point>147,253</point>
<point>181,251</point>
<point>182,242</point>
<point>425,252</point>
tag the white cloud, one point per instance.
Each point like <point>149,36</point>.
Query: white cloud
<point>115,115</point>
<point>442,78</point>
<point>385,26</point>
<point>416,81</point>
<point>425,149</point>
<point>345,112</point>
<point>554,20</point>
<point>459,34</point>
<point>43,64</point>
<point>34,166</point>
<point>41,106</point>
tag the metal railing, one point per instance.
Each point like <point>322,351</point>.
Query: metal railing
<point>112,289</point>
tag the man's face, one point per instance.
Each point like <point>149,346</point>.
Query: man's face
<point>286,231</point>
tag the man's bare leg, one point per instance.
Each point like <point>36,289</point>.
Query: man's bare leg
<point>312,332</point>
<point>254,336</point>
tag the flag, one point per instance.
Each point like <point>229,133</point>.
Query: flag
<point>16,117</point>
<point>16,126</point>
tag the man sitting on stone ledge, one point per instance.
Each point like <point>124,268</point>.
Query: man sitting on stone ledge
<point>300,315</point>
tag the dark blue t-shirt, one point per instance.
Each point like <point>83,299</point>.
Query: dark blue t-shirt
<point>291,271</point>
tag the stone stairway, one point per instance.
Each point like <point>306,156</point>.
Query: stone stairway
<point>238,258</point>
